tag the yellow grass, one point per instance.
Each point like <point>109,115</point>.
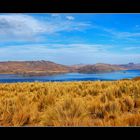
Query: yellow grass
<point>70,104</point>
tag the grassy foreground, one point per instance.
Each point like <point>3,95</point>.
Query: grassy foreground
<point>70,104</point>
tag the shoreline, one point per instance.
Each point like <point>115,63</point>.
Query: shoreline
<point>72,81</point>
<point>55,73</point>
<point>58,77</point>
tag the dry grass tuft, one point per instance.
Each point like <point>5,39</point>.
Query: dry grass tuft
<point>88,103</point>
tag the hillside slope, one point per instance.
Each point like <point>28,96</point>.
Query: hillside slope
<point>32,67</point>
<point>130,66</point>
<point>42,67</point>
<point>97,68</point>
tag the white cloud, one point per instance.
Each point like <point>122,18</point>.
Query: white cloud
<point>27,27</point>
<point>126,34</point>
<point>70,17</point>
<point>55,15</point>
<point>116,34</point>
<point>68,53</point>
<point>19,27</point>
<point>121,34</point>
<point>60,53</point>
<point>132,48</point>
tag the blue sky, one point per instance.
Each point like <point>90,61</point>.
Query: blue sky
<point>70,38</point>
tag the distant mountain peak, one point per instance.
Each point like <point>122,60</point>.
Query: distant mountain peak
<point>131,63</point>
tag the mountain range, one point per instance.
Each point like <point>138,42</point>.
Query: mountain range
<point>42,67</point>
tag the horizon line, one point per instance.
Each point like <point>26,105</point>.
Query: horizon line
<point>66,64</point>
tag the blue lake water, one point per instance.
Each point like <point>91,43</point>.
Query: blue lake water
<point>11,78</point>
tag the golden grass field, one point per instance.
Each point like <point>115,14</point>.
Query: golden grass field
<point>88,103</point>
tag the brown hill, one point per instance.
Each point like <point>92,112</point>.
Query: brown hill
<point>42,67</point>
<point>99,67</point>
<point>130,66</point>
<point>32,67</point>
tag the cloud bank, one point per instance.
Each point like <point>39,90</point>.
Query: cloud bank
<point>68,54</point>
<point>21,27</point>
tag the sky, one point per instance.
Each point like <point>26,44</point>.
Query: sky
<point>70,38</point>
